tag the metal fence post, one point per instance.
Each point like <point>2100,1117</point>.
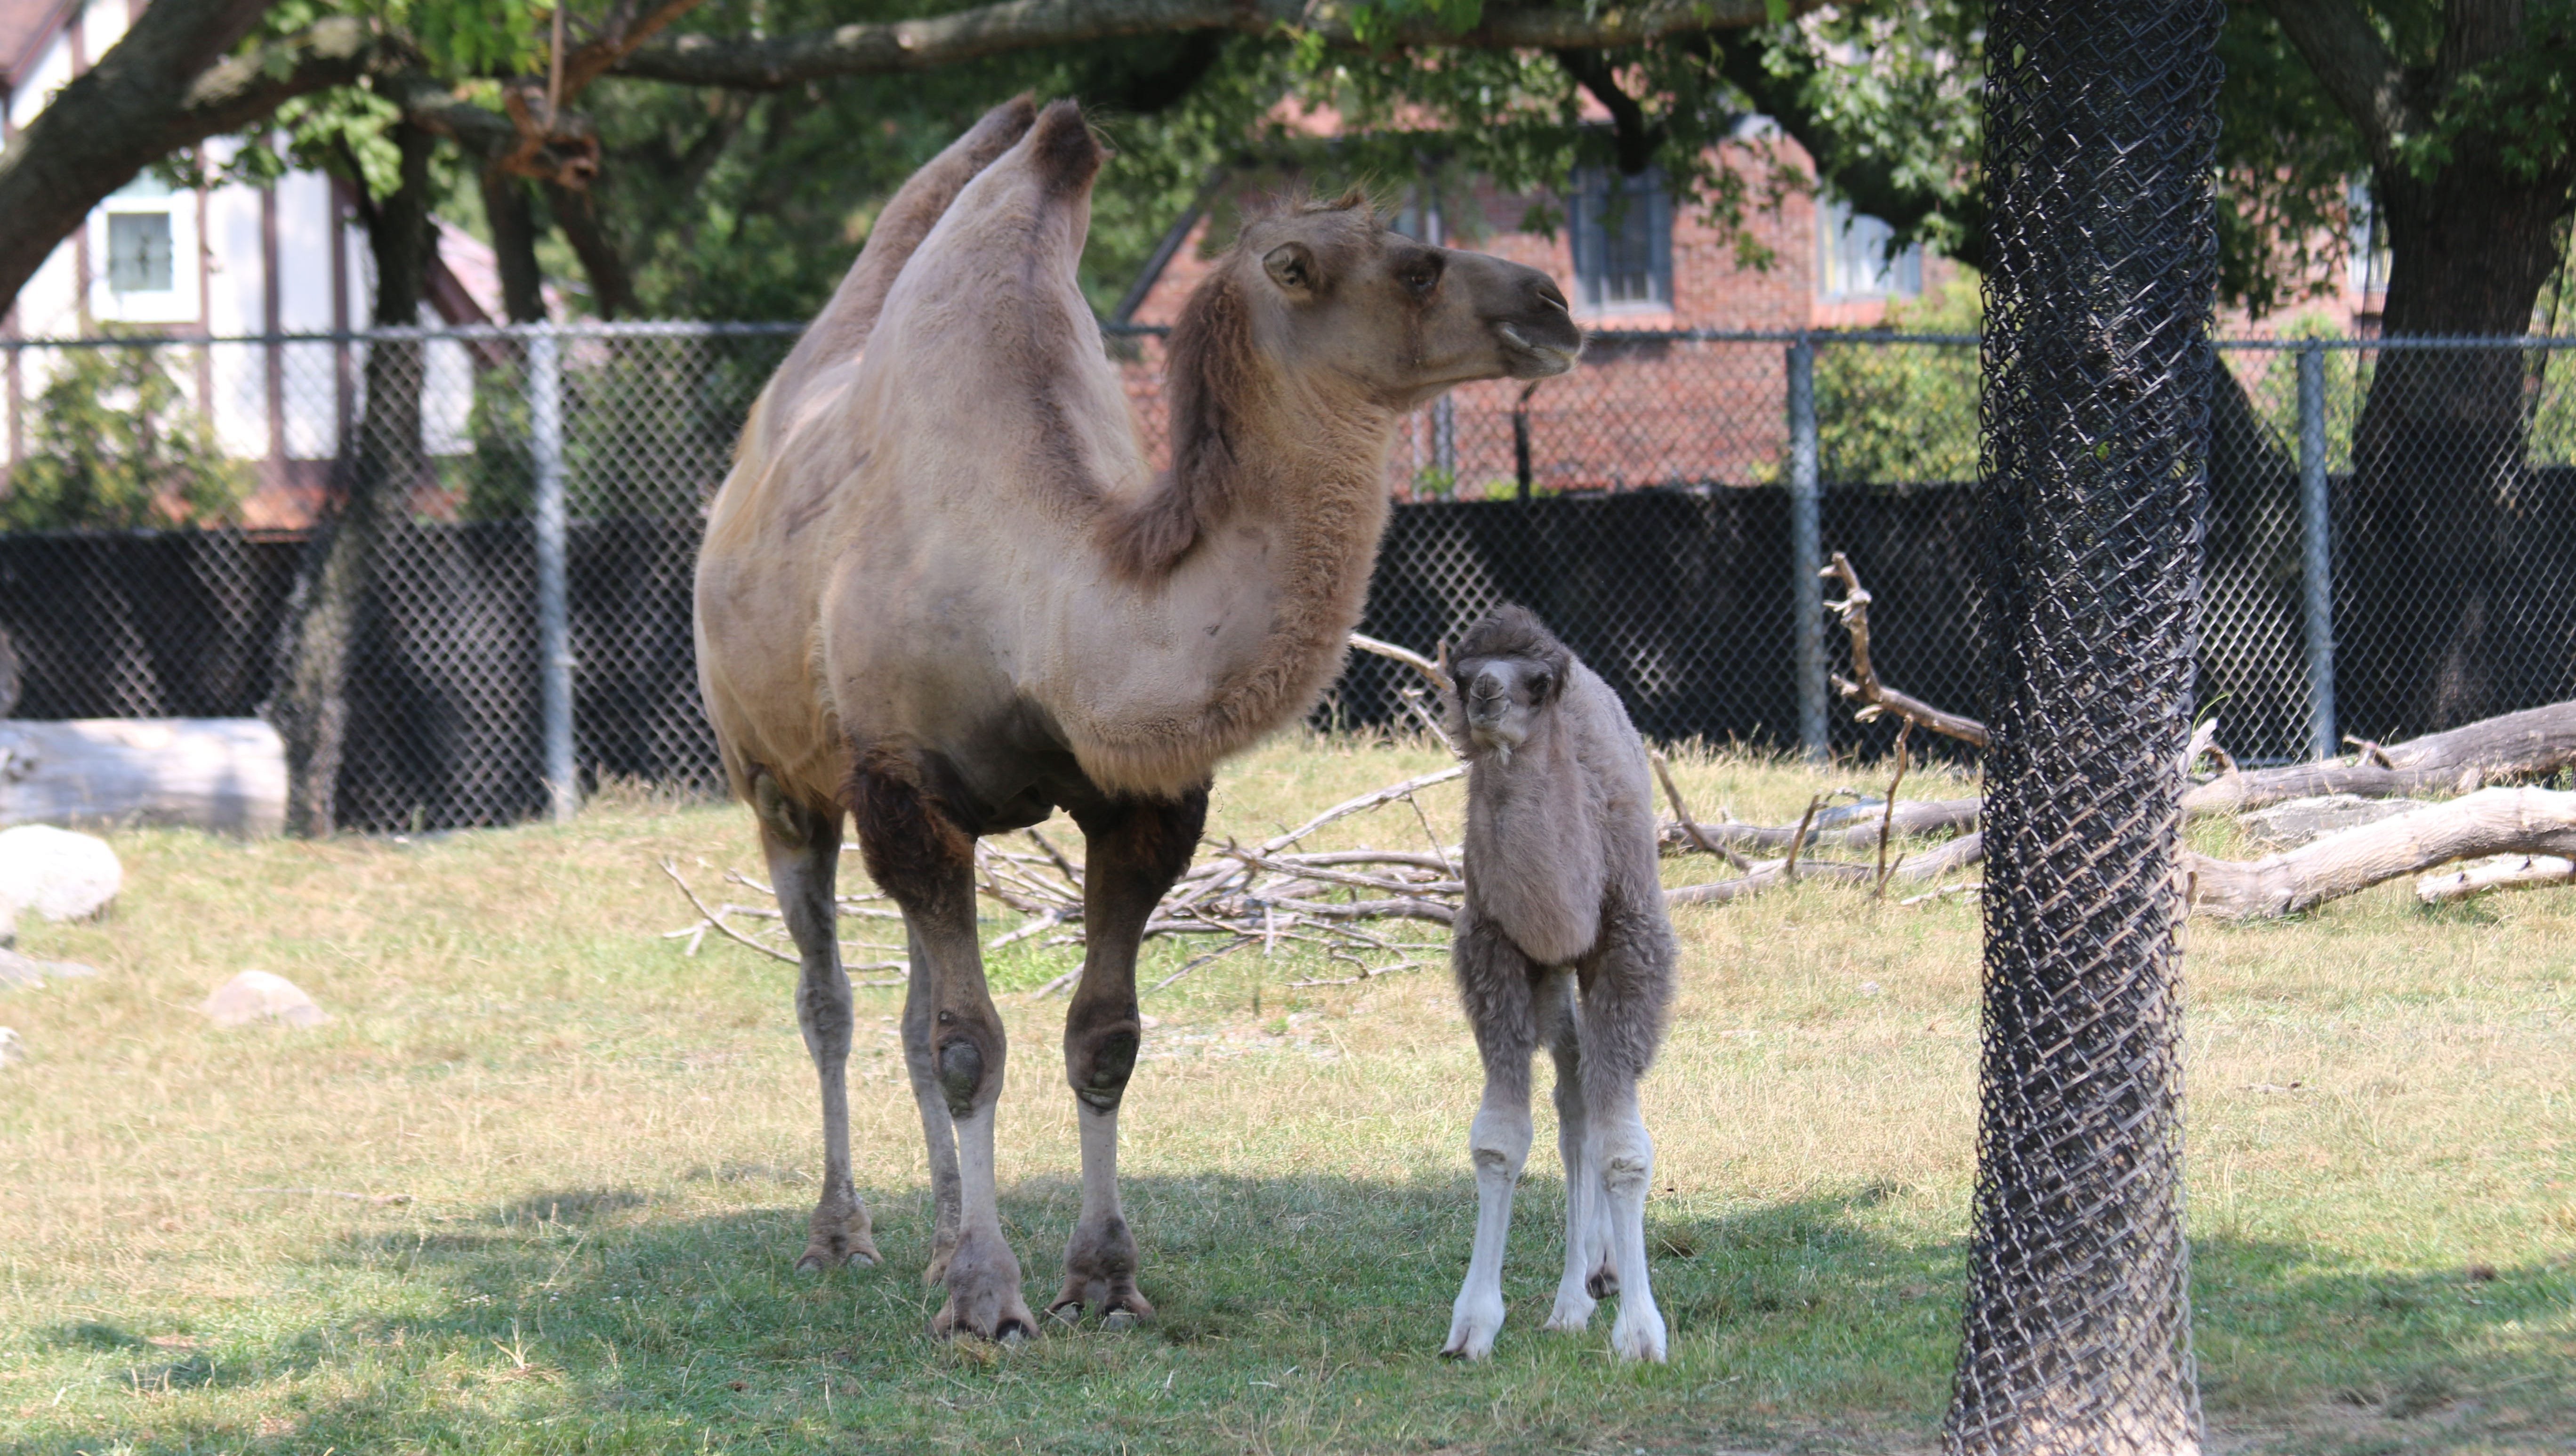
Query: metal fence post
<point>554,632</point>
<point>2317,528</point>
<point>1806,547</point>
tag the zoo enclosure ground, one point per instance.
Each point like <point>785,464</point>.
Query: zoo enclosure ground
<point>606,1150</point>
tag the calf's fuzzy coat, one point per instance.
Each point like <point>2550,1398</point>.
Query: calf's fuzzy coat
<point>1563,941</point>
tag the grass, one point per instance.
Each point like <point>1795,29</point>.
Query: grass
<point>608,1152</point>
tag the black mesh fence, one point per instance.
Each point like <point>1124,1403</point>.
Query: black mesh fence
<point>1644,503</point>
<point>2101,127</point>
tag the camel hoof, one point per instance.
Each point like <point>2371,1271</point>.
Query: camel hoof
<point>840,1235</point>
<point>1100,1274</point>
<point>1570,1317</point>
<point>983,1281</point>
<point>1642,1339</point>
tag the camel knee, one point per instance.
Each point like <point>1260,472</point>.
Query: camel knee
<point>1498,1141</point>
<point>1627,1160</point>
<point>1099,1057</point>
<point>968,1062</point>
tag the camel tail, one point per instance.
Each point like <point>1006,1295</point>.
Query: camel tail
<point>843,327</point>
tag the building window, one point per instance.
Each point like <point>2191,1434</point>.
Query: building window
<point>1623,242</point>
<point>139,256</point>
<point>1855,261</point>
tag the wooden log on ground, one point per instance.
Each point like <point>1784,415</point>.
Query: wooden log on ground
<point>2458,761</point>
<point>2504,872</point>
<point>223,774</point>
<point>2489,822</point>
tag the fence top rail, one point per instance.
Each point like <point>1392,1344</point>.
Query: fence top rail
<point>459,333</point>
<point>1604,338</point>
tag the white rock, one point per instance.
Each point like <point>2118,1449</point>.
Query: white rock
<point>58,873</point>
<point>12,1050</point>
<point>259,996</point>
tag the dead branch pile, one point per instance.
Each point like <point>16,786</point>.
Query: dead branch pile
<point>2520,838</point>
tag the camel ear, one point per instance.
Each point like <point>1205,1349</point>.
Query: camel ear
<point>1292,267</point>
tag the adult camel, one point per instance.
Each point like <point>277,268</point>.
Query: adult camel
<point>942,591</point>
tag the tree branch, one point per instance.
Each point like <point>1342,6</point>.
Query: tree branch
<point>2355,68</point>
<point>1018,25</point>
<point>1635,138</point>
<point>163,87</point>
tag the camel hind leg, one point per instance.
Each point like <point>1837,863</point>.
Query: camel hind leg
<point>1134,850</point>
<point>1497,983</point>
<point>803,847</point>
<point>1625,991</point>
<point>918,852</point>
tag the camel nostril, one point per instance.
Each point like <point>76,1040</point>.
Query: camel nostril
<point>1551,295</point>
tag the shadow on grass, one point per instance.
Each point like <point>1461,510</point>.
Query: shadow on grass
<point>1294,1314</point>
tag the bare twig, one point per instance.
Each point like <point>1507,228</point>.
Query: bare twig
<point>1362,804</point>
<point>1798,841</point>
<point>721,928</point>
<point>1876,697</point>
<point>1367,973</point>
<point>1072,872</point>
<point>1238,943</point>
<point>1690,826</point>
<point>1887,822</point>
<point>1430,670</point>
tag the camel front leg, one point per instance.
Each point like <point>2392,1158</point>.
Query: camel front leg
<point>938,1129</point>
<point>1134,850</point>
<point>1586,1246</point>
<point>803,847</point>
<point>1495,982</point>
<point>918,853</point>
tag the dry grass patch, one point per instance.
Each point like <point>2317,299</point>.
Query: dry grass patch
<point>607,1150</point>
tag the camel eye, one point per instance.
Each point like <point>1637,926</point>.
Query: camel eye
<point>1421,275</point>
<point>1539,684</point>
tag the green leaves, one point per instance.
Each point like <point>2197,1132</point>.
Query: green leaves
<point>115,445</point>
<point>1376,22</point>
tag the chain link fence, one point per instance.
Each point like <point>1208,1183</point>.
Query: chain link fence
<point>1649,505</point>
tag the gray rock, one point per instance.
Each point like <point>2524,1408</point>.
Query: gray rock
<point>12,1050</point>
<point>2294,822</point>
<point>260,996</point>
<point>28,973</point>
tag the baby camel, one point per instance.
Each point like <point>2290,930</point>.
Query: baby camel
<point>1563,940</point>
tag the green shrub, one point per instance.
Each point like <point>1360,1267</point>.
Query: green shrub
<point>115,445</point>
<point>1889,414</point>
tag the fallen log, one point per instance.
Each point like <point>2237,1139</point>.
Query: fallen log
<point>2504,872</point>
<point>2488,822</point>
<point>2460,760</point>
<point>223,774</point>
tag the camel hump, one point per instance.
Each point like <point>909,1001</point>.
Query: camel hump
<point>843,328</point>
<point>1063,153</point>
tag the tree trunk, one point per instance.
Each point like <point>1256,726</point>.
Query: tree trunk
<point>311,710</point>
<point>612,290</point>
<point>2428,535</point>
<point>514,244</point>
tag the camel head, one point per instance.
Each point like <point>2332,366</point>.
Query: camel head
<point>1332,288</point>
<point>1508,670</point>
